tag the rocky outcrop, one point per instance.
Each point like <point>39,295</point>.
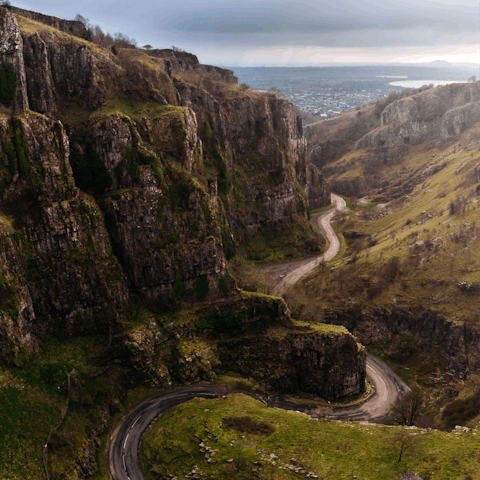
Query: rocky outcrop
<point>459,119</point>
<point>72,27</point>
<point>328,140</point>
<point>458,343</point>
<point>255,337</point>
<point>175,60</point>
<point>396,134</point>
<point>40,84</point>
<point>178,61</point>
<point>151,172</point>
<point>58,273</point>
<point>302,358</point>
<point>438,112</point>
<point>264,136</point>
<point>11,53</point>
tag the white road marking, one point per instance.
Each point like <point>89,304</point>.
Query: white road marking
<point>124,466</point>
<point>125,442</point>
<point>135,422</point>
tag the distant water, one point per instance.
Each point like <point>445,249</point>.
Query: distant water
<point>421,83</point>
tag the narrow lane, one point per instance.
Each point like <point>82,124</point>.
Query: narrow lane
<point>124,463</point>
<point>288,274</point>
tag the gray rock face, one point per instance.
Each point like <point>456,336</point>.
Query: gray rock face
<point>325,364</point>
<point>56,255</point>
<point>40,85</point>
<point>459,345</point>
<point>11,52</point>
<point>69,26</point>
<point>168,236</point>
<point>439,112</point>
<point>264,135</point>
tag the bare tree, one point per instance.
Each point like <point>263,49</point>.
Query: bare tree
<point>408,406</point>
<point>82,19</point>
<point>472,79</point>
<point>403,440</point>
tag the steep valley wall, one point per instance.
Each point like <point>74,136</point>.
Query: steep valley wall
<point>132,176</point>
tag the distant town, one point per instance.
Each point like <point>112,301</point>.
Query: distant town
<point>326,102</point>
<point>324,92</point>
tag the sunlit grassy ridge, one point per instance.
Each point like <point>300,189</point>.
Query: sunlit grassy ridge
<point>29,26</point>
<point>178,441</point>
<point>419,249</point>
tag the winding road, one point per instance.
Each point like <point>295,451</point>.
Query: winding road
<point>124,445</point>
<point>290,272</point>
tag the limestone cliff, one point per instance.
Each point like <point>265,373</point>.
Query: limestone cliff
<point>58,272</point>
<point>164,162</point>
<point>127,178</point>
<point>255,336</point>
<point>438,112</point>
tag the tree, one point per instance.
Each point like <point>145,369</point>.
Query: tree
<point>82,19</point>
<point>147,47</point>
<point>404,441</point>
<point>5,3</point>
<point>472,79</point>
<point>408,406</point>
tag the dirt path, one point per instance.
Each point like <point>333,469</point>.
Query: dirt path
<point>287,274</point>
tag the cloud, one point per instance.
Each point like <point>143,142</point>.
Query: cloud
<point>342,24</point>
<point>236,29</point>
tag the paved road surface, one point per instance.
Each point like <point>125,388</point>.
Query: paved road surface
<point>290,272</point>
<point>388,386</point>
<point>125,442</point>
<point>124,462</point>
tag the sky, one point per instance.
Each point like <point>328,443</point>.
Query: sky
<point>289,33</point>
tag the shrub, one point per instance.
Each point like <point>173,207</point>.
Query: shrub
<point>21,149</point>
<point>89,170</point>
<point>8,299</point>
<point>211,120</point>
<point>201,287</point>
<point>249,425</point>
<point>179,287</point>
<point>8,83</point>
<point>180,195</point>
<point>222,285</point>
<point>461,411</point>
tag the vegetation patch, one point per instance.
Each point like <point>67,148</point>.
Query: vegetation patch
<point>289,239</point>
<point>89,169</point>
<point>223,285</point>
<point>201,287</point>
<point>248,425</point>
<point>8,84</point>
<point>179,287</point>
<point>202,435</point>
<point>8,297</point>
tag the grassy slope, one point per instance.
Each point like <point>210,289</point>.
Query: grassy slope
<point>33,394</point>
<point>432,232</point>
<point>332,450</point>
